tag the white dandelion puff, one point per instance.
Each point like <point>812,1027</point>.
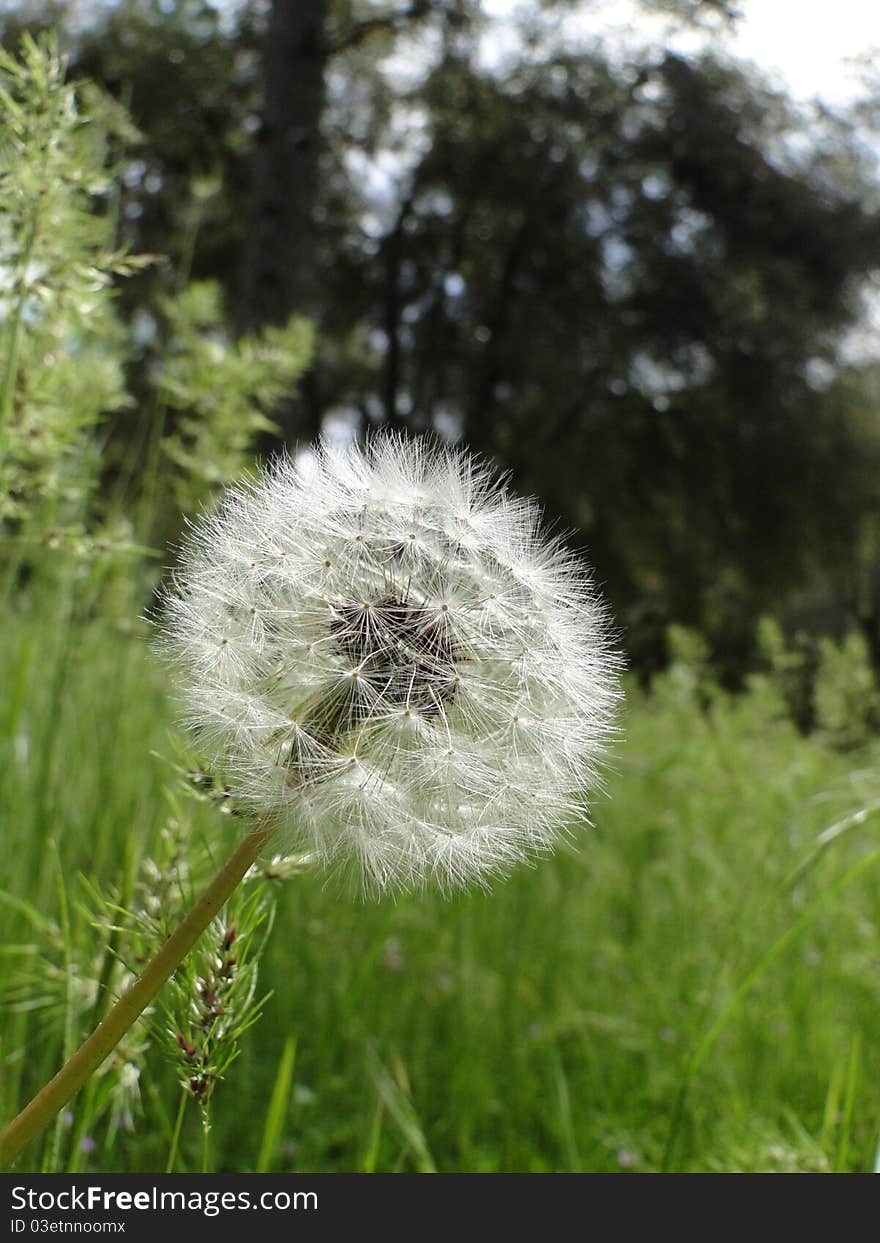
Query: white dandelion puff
<point>385,652</point>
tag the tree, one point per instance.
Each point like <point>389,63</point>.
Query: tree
<point>627,280</point>
<point>620,283</point>
<point>276,273</point>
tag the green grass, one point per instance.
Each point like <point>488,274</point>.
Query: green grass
<point>692,986</point>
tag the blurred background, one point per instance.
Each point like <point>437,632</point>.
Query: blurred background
<point>629,250</point>
<point>596,241</point>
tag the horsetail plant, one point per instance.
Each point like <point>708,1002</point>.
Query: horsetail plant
<point>395,668</point>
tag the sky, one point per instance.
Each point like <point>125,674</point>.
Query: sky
<point>806,45</point>
<point>810,43</point>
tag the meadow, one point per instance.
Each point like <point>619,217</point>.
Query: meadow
<point>692,985</point>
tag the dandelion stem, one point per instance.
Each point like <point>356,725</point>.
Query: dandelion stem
<point>55,1095</point>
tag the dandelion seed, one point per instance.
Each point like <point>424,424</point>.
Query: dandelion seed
<point>383,649</point>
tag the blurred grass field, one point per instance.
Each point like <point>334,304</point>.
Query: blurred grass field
<point>692,986</point>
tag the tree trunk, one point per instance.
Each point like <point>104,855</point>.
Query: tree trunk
<point>279,275</point>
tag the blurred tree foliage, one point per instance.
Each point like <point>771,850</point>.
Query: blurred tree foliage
<point>627,276</point>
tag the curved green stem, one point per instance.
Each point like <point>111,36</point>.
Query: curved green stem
<point>55,1095</point>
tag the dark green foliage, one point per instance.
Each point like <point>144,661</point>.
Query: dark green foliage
<point>627,280</point>
<point>612,281</point>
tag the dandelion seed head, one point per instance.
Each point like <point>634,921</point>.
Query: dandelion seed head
<point>383,649</point>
